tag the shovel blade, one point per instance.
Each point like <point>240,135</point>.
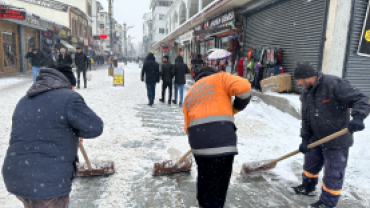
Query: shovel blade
<point>169,167</point>
<point>101,168</point>
<point>256,166</point>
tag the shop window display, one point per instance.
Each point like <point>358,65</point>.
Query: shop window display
<point>31,43</point>
<point>10,52</point>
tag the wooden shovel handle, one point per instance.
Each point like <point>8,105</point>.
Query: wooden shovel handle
<point>315,144</point>
<point>82,149</point>
<point>183,157</point>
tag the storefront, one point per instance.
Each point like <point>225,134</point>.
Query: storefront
<point>271,25</point>
<point>9,48</point>
<point>185,46</point>
<point>357,63</point>
<point>173,53</point>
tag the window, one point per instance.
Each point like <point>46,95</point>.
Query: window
<point>74,27</point>
<point>161,30</point>
<point>161,17</point>
<point>10,50</point>
<point>164,3</point>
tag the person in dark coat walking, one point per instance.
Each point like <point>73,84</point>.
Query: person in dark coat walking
<point>40,162</point>
<point>179,70</point>
<point>64,58</point>
<point>82,65</point>
<point>48,60</point>
<point>37,61</point>
<point>151,73</point>
<point>167,77</point>
<point>326,103</point>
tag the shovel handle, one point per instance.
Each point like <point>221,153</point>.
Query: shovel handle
<point>183,157</point>
<point>82,149</point>
<point>315,144</point>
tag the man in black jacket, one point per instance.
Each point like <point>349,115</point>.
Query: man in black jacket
<point>40,162</point>
<point>64,58</point>
<point>37,61</point>
<point>179,70</point>
<point>326,103</point>
<point>82,65</point>
<point>151,73</point>
<point>167,76</point>
<point>48,60</point>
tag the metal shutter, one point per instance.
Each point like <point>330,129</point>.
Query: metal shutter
<point>297,26</point>
<point>357,69</point>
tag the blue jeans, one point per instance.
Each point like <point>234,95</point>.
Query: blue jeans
<point>151,93</point>
<point>181,88</point>
<point>35,72</point>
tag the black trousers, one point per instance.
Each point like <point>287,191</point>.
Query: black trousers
<point>213,180</point>
<point>84,76</point>
<point>166,85</point>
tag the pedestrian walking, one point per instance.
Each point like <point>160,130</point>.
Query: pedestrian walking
<point>151,72</point>
<point>179,70</point>
<point>167,77</point>
<point>48,59</point>
<point>40,162</point>
<point>37,61</point>
<point>326,103</point>
<point>64,58</point>
<point>82,65</point>
<point>207,107</point>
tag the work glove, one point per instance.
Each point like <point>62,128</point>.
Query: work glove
<point>235,111</point>
<point>303,146</point>
<point>357,124</point>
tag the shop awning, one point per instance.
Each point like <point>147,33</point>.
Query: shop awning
<point>68,46</point>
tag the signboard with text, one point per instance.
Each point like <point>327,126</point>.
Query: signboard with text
<point>364,45</point>
<point>12,14</point>
<point>118,77</point>
<point>49,4</point>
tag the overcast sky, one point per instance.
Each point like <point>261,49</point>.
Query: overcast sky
<point>131,12</point>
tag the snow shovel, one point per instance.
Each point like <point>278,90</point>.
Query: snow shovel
<point>95,169</point>
<point>258,166</point>
<point>167,167</point>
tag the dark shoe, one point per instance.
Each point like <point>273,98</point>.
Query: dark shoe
<point>302,190</point>
<point>169,102</point>
<point>174,101</point>
<point>85,87</point>
<point>161,100</point>
<point>319,204</point>
<point>180,104</point>
<point>78,87</point>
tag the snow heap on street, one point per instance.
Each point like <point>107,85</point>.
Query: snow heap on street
<point>264,133</point>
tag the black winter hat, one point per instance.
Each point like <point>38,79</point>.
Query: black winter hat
<point>204,72</point>
<point>67,71</point>
<point>304,70</point>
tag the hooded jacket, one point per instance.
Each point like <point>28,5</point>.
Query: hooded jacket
<point>325,110</point>
<point>180,70</point>
<point>46,124</point>
<point>150,70</point>
<point>66,59</point>
<point>48,60</point>
<point>37,59</point>
<point>208,107</point>
<point>81,61</point>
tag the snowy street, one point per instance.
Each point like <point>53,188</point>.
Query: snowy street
<point>136,136</point>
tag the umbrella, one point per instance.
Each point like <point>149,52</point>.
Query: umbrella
<point>219,54</point>
<point>211,50</point>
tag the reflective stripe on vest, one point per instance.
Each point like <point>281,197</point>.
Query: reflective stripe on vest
<point>211,119</point>
<point>214,151</point>
<point>330,191</point>
<point>244,95</point>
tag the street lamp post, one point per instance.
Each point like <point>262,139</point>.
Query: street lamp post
<point>125,29</point>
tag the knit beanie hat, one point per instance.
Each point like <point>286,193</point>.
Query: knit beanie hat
<point>304,70</point>
<point>66,70</point>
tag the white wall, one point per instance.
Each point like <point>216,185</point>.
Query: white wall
<point>78,3</point>
<point>58,16</point>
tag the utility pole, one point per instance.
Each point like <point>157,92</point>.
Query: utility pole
<point>111,30</point>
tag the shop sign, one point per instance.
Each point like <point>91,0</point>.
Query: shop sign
<point>172,42</point>
<point>209,43</point>
<point>50,26</point>
<point>96,37</point>
<point>32,20</point>
<point>12,14</point>
<point>86,41</point>
<point>364,45</point>
<point>223,19</point>
<point>186,37</point>
<point>49,4</point>
<point>63,33</point>
<point>198,28</point>
<point>118,77</point>
<point>73,40</point>
<point>80,39</point>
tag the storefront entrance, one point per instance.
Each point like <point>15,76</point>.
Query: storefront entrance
<point>9,50</point>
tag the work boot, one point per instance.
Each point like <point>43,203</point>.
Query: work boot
<point>319,204</point>
<point>174,102</point>
<point>161,100</point>
<point>169,102</point>
<point>302,190</point>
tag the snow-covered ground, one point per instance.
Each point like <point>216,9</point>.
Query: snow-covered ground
<point>263,133</point>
